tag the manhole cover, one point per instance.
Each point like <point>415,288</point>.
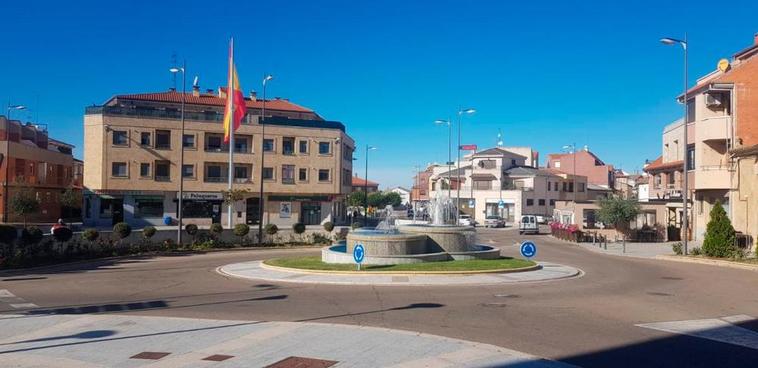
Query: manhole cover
<point>507,296</point>
<point>152,355</point>
<point>493,305</point>
<point>218,357</point>
<point>301,362</point>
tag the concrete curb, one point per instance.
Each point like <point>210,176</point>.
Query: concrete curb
<point>535,267</point>
<point>709,261</point>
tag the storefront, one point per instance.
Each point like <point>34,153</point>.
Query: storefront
<point>206,206</point>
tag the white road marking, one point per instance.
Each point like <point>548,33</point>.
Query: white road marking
<point>6,294</point>
<point>716,329</point>
<point>24,305</point>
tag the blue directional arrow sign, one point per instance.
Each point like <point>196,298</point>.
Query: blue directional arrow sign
<point>501,204</point>
<point>358,253</point>
<point>528,249</point>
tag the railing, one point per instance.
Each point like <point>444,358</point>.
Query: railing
<point>242,180</point>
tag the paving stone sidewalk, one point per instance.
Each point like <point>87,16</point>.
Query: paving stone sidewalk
<point>88,341</point>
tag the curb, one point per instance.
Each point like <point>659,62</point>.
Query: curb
<point>709,261</point>
<point>399,273</point>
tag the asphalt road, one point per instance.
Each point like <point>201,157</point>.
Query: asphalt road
<point>588,321</point>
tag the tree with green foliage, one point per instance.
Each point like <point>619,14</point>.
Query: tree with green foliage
<point>392,198</point>
<point>71,198</point>
<point>24,203</point>
<point>719,234</point>
<point>376,199</point>
<point>241,230</point>
<point>298,228</point>
<point>216,229</point>
<point>356,199</point>
<point>619,212</point>
<point>148,232</point>
<point>122,230</point>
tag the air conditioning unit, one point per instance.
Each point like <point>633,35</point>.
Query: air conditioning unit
<point>713,99</point>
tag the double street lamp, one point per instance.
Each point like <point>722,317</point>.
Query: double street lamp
<point>685,222</point>
<point>180,210</point>
<point>461,112</point>
<point>262,122</point>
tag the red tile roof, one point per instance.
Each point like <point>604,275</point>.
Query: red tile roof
<point>211,99</point>
<point>658,164</point>
<point>358,182</point>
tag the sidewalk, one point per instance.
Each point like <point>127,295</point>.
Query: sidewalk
<point>639,250</point>
<point>88,341</point>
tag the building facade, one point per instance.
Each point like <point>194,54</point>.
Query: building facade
<point>405,194</point>
<point>587,164</point>
<point>132,153</point>
<point>359,184</point>
<point>30,159</point>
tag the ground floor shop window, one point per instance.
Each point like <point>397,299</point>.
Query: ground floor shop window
<point>201,209</point>
<point>148,207</point>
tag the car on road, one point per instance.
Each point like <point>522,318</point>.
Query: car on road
<point>494,221</point>
<point>543,219</point>
<point>466,220</point>
<point>528,225</point>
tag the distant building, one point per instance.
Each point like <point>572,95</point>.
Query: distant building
<point>405,194</point>
<point>31,159</point>
<point>587,164</point>
<point>360,185</point>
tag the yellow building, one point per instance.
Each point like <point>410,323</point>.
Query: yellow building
<point>132,155</point>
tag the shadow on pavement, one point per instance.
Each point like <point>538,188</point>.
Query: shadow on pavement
<point>407,307</point>
<point>96,334</point>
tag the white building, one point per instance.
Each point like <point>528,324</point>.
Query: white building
<point>405,194</point>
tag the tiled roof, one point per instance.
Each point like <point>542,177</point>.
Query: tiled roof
<point>658,164</point>
<point>360,182</point>
<point>211,99</point>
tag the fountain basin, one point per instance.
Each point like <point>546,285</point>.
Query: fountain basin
<point>444,238</point>
<point>377,243</point>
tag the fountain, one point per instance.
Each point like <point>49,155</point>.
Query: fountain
<point>439,240</point>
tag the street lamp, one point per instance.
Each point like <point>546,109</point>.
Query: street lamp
<point>467,111</point>
<point>365,187</point>
<point>266,78</point>
<point>685,222</point>
<point>572,148</point>
<point>179,210</point>
<point>449,141</point>
<point>14,107</point>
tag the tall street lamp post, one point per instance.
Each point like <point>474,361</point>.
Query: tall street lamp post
<point>467,111</point>
<point>7,155</point>
<point>449,153</point>
<point>179,209</point>
<point>685,222</point>
<point>365,187</point>
<point>267,78</point>
<point>572,148</point>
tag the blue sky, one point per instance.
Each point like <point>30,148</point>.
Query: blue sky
<point>545,73</point>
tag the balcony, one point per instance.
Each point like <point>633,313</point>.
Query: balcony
<point>713,129</point>
<point>712,177</point>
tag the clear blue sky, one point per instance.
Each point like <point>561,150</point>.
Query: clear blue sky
<point>545,73</point>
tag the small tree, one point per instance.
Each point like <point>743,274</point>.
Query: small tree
<point>619,212</point>
<point>24,203</point>
<point>90,235</point>
<point>356,199</point>
<point>122,230</point>
<point>376,199</point>
<point>392,198</point>
<point>148,232</point>
<point>71,198</point>
<point>191,230</point>
<point>329,226</point>
<point>271,230</point>
<point>216,229</point>
<point>233,196</point>
<point>298,228</point>
<point>719,234</point>
<point>241,230</point>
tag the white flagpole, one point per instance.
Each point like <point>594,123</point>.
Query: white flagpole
<point>230,96</point>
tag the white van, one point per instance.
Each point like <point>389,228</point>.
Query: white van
<point>528,225</point>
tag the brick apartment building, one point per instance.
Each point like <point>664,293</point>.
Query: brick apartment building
<point>133,143</point>
<point>359,185</point>
<point>587,164</point>
<point>29,158</point>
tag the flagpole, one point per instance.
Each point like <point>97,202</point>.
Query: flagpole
<point>230,96</point>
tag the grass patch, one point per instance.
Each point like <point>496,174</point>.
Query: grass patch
<point>314,263</point>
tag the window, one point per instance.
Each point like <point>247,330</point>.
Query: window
<point>302,174</point>
<point>162,170</point>
<point>513,162</point>
<point>565,186</point>
<point>241,145</point>
<point>188,171</point>
<point>691,157</point>
<point>268,145</point>
<point>530,202</point>
<point>347,152</point>
<point>691,110</point>
<point>163,139</point>
<point>120,138</point>
<point>107,207</point>
<point>487,164</point>
<point>144,170</point>
<point>188,141</point>
<point>288,174</point>
<point>557,164</point>
<point>323,175</point>
<point>241,173</point>
<point>214,174</point>
<point>658,180</point>
<point>268,173</point>
<point>149,207</point>
<point>324,148</point>
<point>571,187</point>
<point>483,184</point>
<point>346,178</point>
<point>588,219</point>
<point>581,187</point>
<point>288,146</point>
<point>118,169</point>
<point>144,138</point>
<point>541,202</point>
<point>303,146</point>
<point>552,202</point>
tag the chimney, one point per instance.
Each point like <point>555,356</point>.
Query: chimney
<point>222,92</point>
<point>755,39</point>
<point>196,91</point>
<point>253,96</point>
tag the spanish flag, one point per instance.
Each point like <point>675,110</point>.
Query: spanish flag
<point>235,100</point>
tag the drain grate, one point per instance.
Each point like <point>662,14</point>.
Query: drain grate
<point>302,362</point>
<point>151,355</point>
<point>218,357</point>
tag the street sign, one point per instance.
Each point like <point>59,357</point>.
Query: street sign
<point>468,147</point>
<point>528,249</point>
<point>358,254</point>
<point>471,203</point>
<point>501,204</point>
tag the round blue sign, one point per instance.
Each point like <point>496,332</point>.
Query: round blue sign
<point>528,249</point>
<point>358,253</point>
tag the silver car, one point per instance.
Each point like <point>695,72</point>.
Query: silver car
<point>494,221</point>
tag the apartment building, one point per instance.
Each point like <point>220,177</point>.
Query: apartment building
<point>583,163</point>
<point>132,154</point>
<point>29,158</point>
<point>497,181</point>
<point>359,184</point>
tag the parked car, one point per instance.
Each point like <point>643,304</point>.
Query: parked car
<point>543,219</point>
<point>466,220</point>
<point>494,221</point>
<point>528,225</point>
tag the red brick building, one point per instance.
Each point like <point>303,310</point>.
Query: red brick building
<point>587,164</point>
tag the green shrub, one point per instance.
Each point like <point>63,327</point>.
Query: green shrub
<point>271,229</point>
<point>169,244</point>
<point>677,248</point>
<point>90,234</point>
<point>356,225</point>
<point>8,234</point>
<point>63,234</point>
<point>298,227</point>
<point>329,226</point>
<point>191,229</point>
<point>31,235</point>
<point>148,232</point>
<point>122,230</point>
<point>241,230</point>
<point>719,234</point>
<point>696,251</point>
<point>321,239</point>
<point>216,228</point>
